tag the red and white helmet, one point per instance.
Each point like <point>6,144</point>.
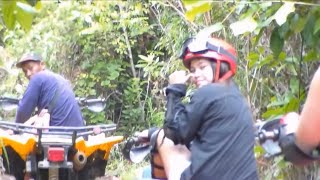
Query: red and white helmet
<point>212,48</point>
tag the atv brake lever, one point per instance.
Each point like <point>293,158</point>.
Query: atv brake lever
<point>265,135</point>
<point>136,148</point>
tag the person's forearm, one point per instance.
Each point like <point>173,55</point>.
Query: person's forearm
<point>28,102</point>
<point>306,135</point>
<point>308,131</point>
<point>22,116</point>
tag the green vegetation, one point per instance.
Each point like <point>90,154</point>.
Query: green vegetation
<point>123,51</point>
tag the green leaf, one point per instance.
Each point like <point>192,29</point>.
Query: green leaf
<point>196,7</point>
<point>308,30</point>
<point>291,68</point>
<point>257,37</point>
<point>259,150</point>
<point>191,3</point>
<point>145,58</point>
<point>276,62</point>
<point>105,83</point>
<point>91,30</point>
<point>8,10</point>
<point>265,61</point>
<point>293,105</point>
<point>253,58</point>
<point>311,56</point>
<point>316,27</point>
<point>265,5</point>
<point>206,32</point>
<point>276,103</point>
<point>273,113</point>
<point>113,75</point>
<point>294,85</point>
<point>297,23</point>
<point>246,25</point>
<point>281,15</point>
<point>276,42</point>
<point>25,15</point>
<point>279,69</point>
<point>38,5</point>
<point>26,8</point>
<point>266,23</point>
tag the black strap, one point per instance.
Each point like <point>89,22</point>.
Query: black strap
<point>221,50</point>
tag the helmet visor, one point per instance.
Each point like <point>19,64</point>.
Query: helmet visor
<point>199,46</point>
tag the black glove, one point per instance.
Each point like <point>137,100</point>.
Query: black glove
<point>293,153</point>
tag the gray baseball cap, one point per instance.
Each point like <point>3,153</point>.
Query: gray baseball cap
<point>29,57</point>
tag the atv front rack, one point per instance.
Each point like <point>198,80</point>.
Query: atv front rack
<point>86,139</point>
<point>58,130</point>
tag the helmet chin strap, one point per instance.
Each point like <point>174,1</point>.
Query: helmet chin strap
<point>224,77</point>
<point>216,77</point>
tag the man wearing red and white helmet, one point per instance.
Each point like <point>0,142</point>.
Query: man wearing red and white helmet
<point>216,125</point>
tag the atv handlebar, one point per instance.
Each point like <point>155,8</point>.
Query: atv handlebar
<point>267,134</point>
<point>8,104</point>
<point>264,135</point>
<point>267,130</point>
<point>93,104</point>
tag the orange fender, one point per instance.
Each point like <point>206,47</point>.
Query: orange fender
<point>98,142</point>
<point>22,144</point>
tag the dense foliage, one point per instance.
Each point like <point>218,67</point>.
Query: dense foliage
<point>123,51</point>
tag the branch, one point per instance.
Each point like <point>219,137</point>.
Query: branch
<point>272,1</point>
<point>129,51</point>
<point>129,47</point>
<point>181,14</point>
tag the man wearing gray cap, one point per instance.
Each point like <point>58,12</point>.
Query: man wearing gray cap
<point>47,90</point>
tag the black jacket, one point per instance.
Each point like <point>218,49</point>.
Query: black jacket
<point>218,121</point>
